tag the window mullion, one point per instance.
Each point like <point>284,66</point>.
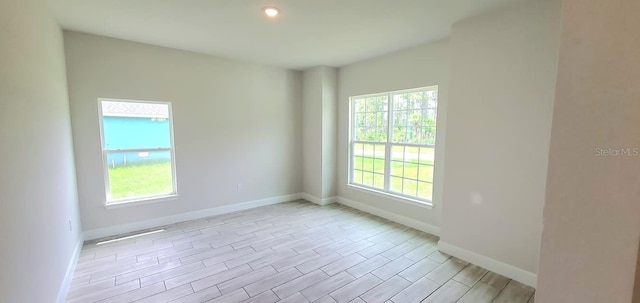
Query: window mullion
<point>352,139</point>
<point>124,150</point>
<point>387,149</point>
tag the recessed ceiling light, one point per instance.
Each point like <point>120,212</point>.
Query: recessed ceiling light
<point>271,11</point>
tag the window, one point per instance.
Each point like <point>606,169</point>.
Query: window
<point>393,139</point>
<point>137,149</point>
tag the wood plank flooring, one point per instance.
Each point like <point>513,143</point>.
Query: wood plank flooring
<point>291,252</point>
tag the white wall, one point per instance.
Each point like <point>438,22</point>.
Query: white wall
<point>592,211</point>
<point>234,122</point>
<point>312,132</point>
<point>498,128</point>
<point>329,131</point>
<point>319,133</point>
<point>37,182</point>
<point>420,66</point>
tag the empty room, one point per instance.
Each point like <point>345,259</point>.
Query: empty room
<point>320,151</point>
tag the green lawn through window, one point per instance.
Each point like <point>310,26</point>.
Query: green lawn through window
<point>138,180</point>
<point>370,172</point>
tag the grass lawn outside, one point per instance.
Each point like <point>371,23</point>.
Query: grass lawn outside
<point>410,178</point>
<point>149,179</point>
<point>137,180</point>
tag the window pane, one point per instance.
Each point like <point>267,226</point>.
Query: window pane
<point>400,126</point>
<point>400,102</point>
<point>378,181</point>
<point>397,168</point>
<point>396,184</point>
<point>414,126</point>
<point>359,121</point>
<point>377,104</point>
<point>138,174</point>
<point>357,150</point>
<point>428,135</point>
<point>432,98</point>
<point>378,166</point>
<point>414,117</point>
<point>425,190</point>
<point>370,115</point>
<point>358,156</point>
<point>366,130</point>
<point>427,155</point>
<point>367,164</point>
<point>410,170</point>
<point>381,125</point>
<point>129,125</point>
<point>378,161</point>
<point>368,153</point>
<point>357,176</point>
<point>399,134</point>
<point>358,162</point>
<point>400,118</point>
<point>397,153</point>
<point>358,105</point>
<point>425,173</point>
<point>380,151</point>
<point>411,154</point>
<point>367,178</point>
<point>410,187</point>
<point>370,105</point>
<point>431,139</point>
<point>431,117</point>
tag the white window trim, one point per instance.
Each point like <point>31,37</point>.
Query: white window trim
<point>388,195</point>
<point>105,167</point>
<point>141,201</point>
<point>388,144</point>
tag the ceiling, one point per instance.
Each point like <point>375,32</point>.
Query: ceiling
<point>307,33</point>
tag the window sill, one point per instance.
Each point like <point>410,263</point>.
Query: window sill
<point>418,203</point>
<point>141,201</point>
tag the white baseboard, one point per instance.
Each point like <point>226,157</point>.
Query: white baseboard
<point>319,201</point>
<point>509,271</point>
<point>71,268</point>
<point>136,226</point>
<point>419,225</point>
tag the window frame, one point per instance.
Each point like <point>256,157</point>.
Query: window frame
<point>389,144</point>
<point>105,167</point>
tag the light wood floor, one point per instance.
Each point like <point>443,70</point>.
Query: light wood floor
<point>292,252</point>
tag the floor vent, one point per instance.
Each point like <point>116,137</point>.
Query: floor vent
<point>130,236</point>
